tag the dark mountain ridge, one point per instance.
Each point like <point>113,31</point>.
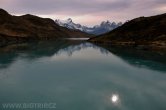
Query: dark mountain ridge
<point>147,32</point>
<point>30,27</point>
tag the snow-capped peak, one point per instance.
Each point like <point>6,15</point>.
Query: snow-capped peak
<point>104,27</point>
<point>69,20</point>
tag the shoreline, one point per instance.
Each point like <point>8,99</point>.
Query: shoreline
<point>154,45</point>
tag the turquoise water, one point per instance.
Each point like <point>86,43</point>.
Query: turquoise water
<point>82,76</point>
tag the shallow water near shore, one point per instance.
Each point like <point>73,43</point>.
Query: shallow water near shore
<point>82,76</point>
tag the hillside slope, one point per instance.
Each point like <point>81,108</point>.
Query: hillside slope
<point>143,31</point>
<point>30,27</point>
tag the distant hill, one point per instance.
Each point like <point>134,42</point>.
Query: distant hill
<point>143,32</point>
<point>30,27</point>
<point>104,27</point>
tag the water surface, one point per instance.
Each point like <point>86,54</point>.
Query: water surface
<point>82,76</point>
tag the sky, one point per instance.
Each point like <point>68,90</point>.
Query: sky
<point>86,12</point>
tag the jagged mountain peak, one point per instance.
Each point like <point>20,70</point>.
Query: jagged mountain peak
<point>69,20</point>
<point>19,29</point>
<point>120,23</point>
<point>143,33</point>
<point>104,26</point>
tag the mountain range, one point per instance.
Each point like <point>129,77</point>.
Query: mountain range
<point>28,27</point>
<point>104,27</point>
<point>142,32</point>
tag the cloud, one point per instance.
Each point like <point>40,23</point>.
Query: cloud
<point>103,9</point>
<point>73,7</point>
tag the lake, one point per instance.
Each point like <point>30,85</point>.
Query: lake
<point>75,75</point>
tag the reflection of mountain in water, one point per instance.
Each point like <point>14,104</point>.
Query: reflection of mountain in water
<point>73,48</point>
<point>36,50</point>
<point>6,59</point>
<point>140,58</point>
<point>31,51</point>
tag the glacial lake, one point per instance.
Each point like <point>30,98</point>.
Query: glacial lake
<point>82,76</point>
